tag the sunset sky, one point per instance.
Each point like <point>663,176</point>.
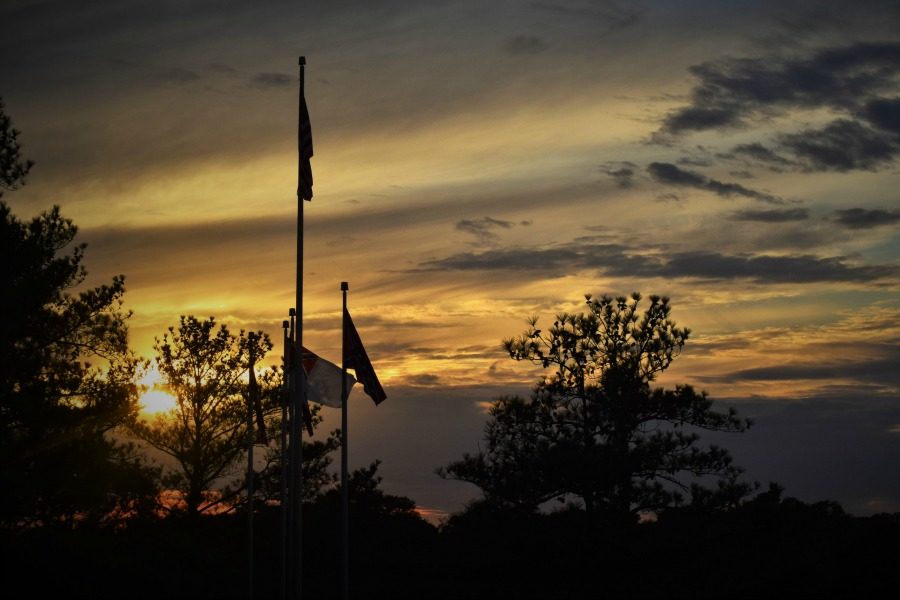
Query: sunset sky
<point>477,163</point>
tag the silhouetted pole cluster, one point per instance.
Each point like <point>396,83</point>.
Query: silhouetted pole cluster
<point>292,415</point>
<point>289,479</point>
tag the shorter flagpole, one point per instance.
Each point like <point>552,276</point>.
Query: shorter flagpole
<point>345,492</point>
<point>285,384</point>
<point>251,338</point>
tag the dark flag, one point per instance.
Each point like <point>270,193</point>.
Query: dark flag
<point>256,404</point>
<point>355,358</point>
<point>306,153</point>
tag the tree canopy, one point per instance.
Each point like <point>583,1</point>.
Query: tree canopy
<point>203,366</point>
<point>66,373</point>
<point>13,166</point>
<point>594,428</point>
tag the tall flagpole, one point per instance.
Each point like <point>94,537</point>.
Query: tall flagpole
<point>345,492</point>
<point>300,380</point>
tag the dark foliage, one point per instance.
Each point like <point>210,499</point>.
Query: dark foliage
<point>317,475</point>
<point>769,546</point>
<point>206,433</point>
<point>13,167</point>
<point>595,429</point>
<point>66,375</point>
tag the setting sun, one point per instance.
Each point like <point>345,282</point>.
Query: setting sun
<point>156,399</point>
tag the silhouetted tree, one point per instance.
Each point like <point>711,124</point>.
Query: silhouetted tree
<point>66,374</point>
<point>367,498</point>
<point>594,428</point>
<point>207,430</point>
<point>13,168</point>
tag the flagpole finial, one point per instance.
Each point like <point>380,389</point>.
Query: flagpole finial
<point>302,61</point>
<point>345,286</point>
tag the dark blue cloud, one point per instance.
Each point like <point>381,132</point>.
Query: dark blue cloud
<point>730,91</point>
<point>861,218</point>
<point>670,174</point>
<point>880,370</point>
<point>623,172</point>
<point>617,260</point>
<point>771,269</point>
<point>483,229</point>
<point>759,153</point>
<point>772,216</point>
<point>842,145</point>
<point>883,113</point>
<point>850,80</point>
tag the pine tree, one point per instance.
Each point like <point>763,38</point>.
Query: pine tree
<point>594,427</point>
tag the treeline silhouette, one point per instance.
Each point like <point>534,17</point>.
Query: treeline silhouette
<point>769,546</point>
<point>595,486</point>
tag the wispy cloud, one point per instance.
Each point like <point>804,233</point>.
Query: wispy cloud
<point>772,269</point>
<point>759,153</point>
<point>616,260</point>
<point>729,92</point>
<point>842,145</point>
<point>484,229</point>
<point>848,80</point>
<point>670,174</point>
<point>881,370</point>
<point>772,216</point>
<point>862,218</point>
<point>273,80</point>
<point>623,172</point>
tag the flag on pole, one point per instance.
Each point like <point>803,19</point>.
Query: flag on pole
<point>323,380</point>
<point>355,358</point>
<point>256,406</point>
<point>306,152</point>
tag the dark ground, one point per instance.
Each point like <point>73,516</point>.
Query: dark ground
<point>765,549</point>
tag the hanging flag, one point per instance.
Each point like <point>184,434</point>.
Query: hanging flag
<point>307,416</point>
<point>306,152</point>
<point>355,358</point>
<point>323,380</point>
<point>256,406</point>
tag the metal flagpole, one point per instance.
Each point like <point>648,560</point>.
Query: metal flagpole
<point>251,337</point>
<point>300,380</point>
<point>287,341</point>
<point>345,492</point>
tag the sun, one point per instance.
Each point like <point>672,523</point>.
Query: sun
<point>156,399</point>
